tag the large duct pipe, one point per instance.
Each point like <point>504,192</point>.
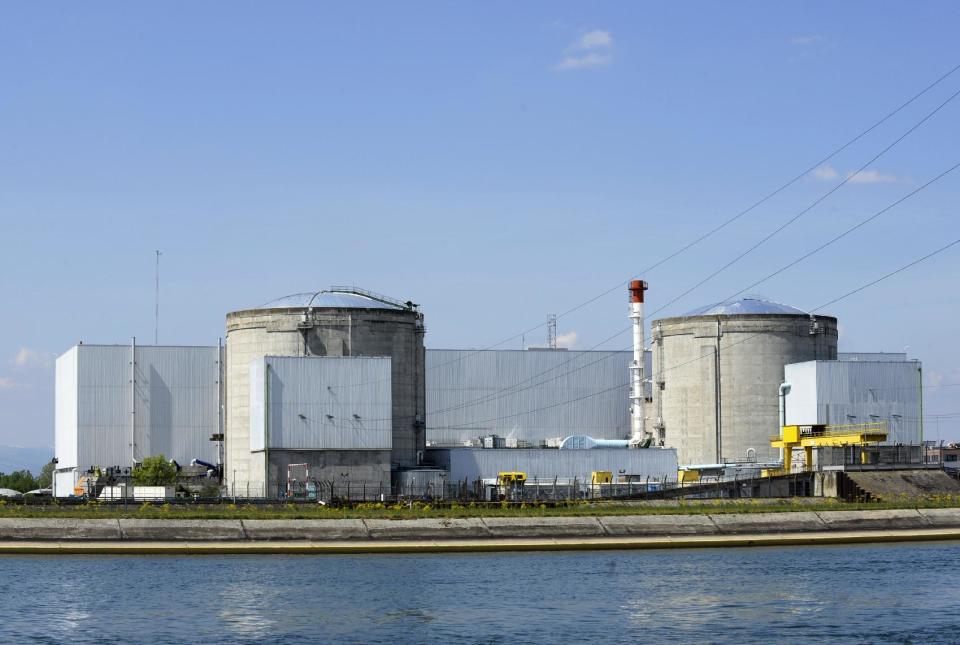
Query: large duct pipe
<point>638,432</point>
<point>784,390</point>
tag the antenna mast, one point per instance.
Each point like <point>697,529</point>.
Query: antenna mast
<point>156,308</point>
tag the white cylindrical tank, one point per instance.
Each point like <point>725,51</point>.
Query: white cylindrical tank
<point>717,373</point>
<point>339,322</point>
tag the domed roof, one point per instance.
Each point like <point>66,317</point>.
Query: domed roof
<point>746,306</point>
<point>335,299</point>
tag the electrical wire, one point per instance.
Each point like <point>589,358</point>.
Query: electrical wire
<point>520,386</point>
<point>790,182</point>
<point>738,342</point>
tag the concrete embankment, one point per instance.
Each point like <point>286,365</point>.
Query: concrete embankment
<point>474,534</point>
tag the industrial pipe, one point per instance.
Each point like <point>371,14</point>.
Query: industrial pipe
<point>784,390</point>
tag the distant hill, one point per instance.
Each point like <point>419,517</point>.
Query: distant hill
<point>16,458</point>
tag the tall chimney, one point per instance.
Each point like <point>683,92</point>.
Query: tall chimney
<point>638,433</point>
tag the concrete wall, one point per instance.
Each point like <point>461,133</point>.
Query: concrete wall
<point>17,535</point>
<point>742,414</point>
<point>370,468</point>
<point>397,334</point>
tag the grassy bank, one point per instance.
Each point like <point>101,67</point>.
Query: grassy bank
<point>94,510</point>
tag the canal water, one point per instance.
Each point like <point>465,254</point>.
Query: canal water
<point>893,593</point>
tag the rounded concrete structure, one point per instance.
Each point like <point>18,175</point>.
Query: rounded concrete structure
<point>717,373</point>
<point>338,322</point>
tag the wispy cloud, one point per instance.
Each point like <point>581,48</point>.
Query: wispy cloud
<point>568,340</point>
<point>808,39</point>
<point>7,383</point>
<point>825,173</point>
<point>872,177</point>
<point>27,357</point>
<point>592,49</point>
<point>596,39</point>
<point>585,62</point>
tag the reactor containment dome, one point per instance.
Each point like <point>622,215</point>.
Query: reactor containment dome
<point>337,322</point>
<point>717,373</point>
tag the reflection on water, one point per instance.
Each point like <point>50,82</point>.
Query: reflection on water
<point>900,593</point>
<point>243,609</point>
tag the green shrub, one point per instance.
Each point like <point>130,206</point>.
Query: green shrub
<point>155,471</point>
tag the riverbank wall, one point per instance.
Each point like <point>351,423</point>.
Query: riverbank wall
<point>474,534</point>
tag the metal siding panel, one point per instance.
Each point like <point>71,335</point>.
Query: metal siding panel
<point>329,403</point>
<point>65,410</point>
<point>177,403</point>
<point>103,409</point>
<point>547,464</point>
<point>872,391</point>
<point>64,482</point>
<point>883,357</point>
<point>801,400</point>
<point>257,418</point>
<point>526,394</point>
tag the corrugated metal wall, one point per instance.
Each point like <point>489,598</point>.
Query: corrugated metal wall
<point>870,391</point>
<point>860,391</point>
<point>323,403</point>
<point>480,463</point>
<point>529,395</point>
<point>178,401</point>
<point>177,404</point>
<point>883,357</point>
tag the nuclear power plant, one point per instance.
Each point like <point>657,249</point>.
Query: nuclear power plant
<point>336,387</point>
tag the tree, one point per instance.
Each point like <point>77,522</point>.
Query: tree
<point>19,480</point>
<point>155,471</point>
<point>45,480</point>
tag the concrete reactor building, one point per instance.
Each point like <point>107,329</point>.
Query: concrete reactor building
<point>346,418</point>
<point>717,372</point>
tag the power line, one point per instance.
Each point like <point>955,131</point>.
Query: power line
<point>741,341</point>
<point>816,202</point>
<point>850,230</point>
<point>767,197</point>
<point>790,182</point>
<point>769,236</point>
<point>518,387</point>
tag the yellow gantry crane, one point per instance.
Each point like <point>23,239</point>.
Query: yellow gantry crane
<point>819,436</point>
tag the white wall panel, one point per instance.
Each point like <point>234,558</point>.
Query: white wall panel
<point>176,390</point>
<point>527,394</point>
<point>801,400</point>
<point>857,391</point>
<point>322,403</point>
<point>479,463</point>
<point>65,410</point>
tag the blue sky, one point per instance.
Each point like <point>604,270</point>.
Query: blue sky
<point>495,162</point>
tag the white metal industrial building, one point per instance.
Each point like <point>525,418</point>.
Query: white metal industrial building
<point>331,413</point>
<point>116,404</point>
<point>625,464</point>
<point>526,395</point>
<point>857,388</point>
